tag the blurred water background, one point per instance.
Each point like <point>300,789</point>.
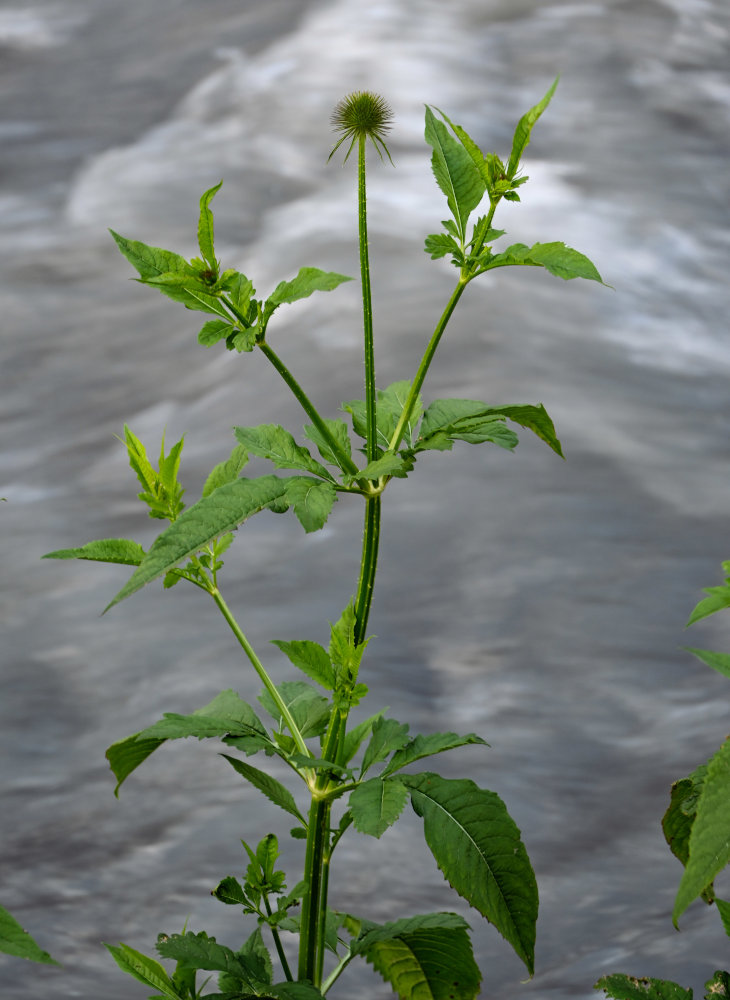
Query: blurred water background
<point>537,602</point>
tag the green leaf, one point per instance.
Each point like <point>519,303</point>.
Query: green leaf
<point>214,515</point>
<point>718,600</point>
<point>477,157</point>
<point>277,445</point>
<point>205,229</point>
<point>338,430</point>
<point>310,658</point>
<point>189,290</point>
<point>198,951</point>
<point>709,844</point>
<point>111,550</point>
<point>387,736</point>
<point>272,789</point>
<point>456,173</point>
<point>138,461</point>
<point>256,955</point>
<point>427,746</point>
<point>375,805</point>
<point>358,733</point>
<point>215,330</point>
<point>373,933</point>
<point>429,964</point>
<point>16,941</point>
<point>389,408</point>
<point>226,472</point>
<point>240,289</point>
<point>622,987</point>
<point>718,661</point>
<point>562,261</point>
<point>387,465</point>
<point>680,815</point>
<point>309,279</point>
<point>723,908</point>
<point>440,244</point>
<point>524,128</point>
<point>150,262</point>
<point>447,420</point>
<point>477,846</point>
<point>718,988</point>
<point>226,714</point>
<point>230,891</point>
<point>144,969</point>
<point>308,708</point>
<point>310,499</point>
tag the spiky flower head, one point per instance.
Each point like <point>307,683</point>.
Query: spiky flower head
<point>362,115</point>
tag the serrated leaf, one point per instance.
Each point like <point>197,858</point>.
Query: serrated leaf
<point>198,951</point>
<point>146,970</point>
<point>387,735</point>
<point>111,550</point>
<point>311,658</point>
<point>431,964</point>
<point>150,262</point>
<point>189,290</point>
<point>215,330</point>
<point>440,244</point>
<point>214,515</point>
<point>709,844</point>
<point>723,908</point>
<point>356,735</point>
<point>230,891</point>
<point>226,714</point>
<point>273,442</point>
<point>310,499</point>
<point>226,472</point>
<point>524,129</point>
<point>718,661</point>
<point>456,173</point>
<point>387,465</point>
<point>309,279</point>
<point>427,746</point>
<point>257,957</point>
<point>389,409</point>
<point>307,706</point>
<point>240,289</point>
<point>680,815</point>
<point>205,228</point>
<point>371,933</point>
<point>376,804</point>
<point>470,146</point>
<point>621,987</point>
<point>478,849</point>
<point>718,600</point>
<point>338,430</point>
<point>271,788</point>
<point>557,258</point>
<point>475,422</point>
<point>16,941</point>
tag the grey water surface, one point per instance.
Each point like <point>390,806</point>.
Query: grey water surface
<point>539,603</point>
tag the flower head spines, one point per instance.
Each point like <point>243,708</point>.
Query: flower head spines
<point>362,115</point>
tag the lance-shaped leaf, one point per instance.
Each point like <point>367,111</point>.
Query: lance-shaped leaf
<point>226,714</point>
<point>709,844</point>
<point>428,964</point>
<point>718,661</point>
<point>309,279</point>
<point>150,262</point>
<point>524,129</point>
<point>215,330</point>
<point>16,941</point>
<point>214,515</point>
<point>470,146</point>
<point>621,987</point>
<point>718,600</point>
<point>447,420</point>
<point>389,464</point>
<point>311,658</point>
<point>189,290</point>
<point>427,746</point>
<point>355,736</point>
<point>478,848</point>
<point>391,402</point>
<point>376,804</point>
<point>388,735</point>
<point>307,706</point>
<point>456,173</point>
<point>562,261</point>
<point>277,444</point>
<point>371,933</point>
<point>144,969</point>
<point>111,550</point>
<point>338,430</point>
<point>226,472</point>
<point>271,788</point>
<point>205,228</point>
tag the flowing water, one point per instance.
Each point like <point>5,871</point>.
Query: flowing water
<point>538,603</point>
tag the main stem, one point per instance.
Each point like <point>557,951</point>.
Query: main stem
<point>319,848</point>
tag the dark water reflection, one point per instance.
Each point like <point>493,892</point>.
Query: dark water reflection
<point>537,602</point>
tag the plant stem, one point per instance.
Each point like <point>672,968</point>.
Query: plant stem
<point>368,567</point>
<point>314,903</point>
<point>367,307</point>
<point>345,462</point>
<point>277,942</point>
<point>261,671</point>
<point>425,364</point>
